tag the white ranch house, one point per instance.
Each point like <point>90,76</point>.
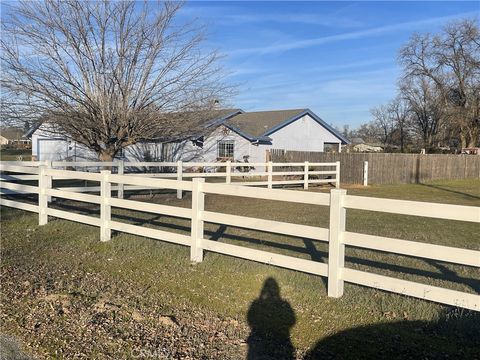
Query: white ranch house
<point>239,136</point>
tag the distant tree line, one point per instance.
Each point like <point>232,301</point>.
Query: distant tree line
<point>438,97</point>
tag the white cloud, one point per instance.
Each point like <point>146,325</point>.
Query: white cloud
<point>231,15</point>
<point>282,46</point>
<point>326,20</point>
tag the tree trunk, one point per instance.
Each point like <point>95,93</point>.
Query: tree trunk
<point>463,141</point>
<point>402,142</point>
<point>107,156</point>
<point>472,143</point>
<point>473,137</point>
<point>425,141</point>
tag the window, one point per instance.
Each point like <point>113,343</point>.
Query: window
<point>225,149</point>
<point>331,147</point>
<point>198,142</point>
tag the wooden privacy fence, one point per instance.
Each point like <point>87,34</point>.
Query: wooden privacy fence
<point>336,235</point>
<point>391,168</point>
<point>273,174</point>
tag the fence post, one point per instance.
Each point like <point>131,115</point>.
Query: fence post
<point>43,185</point>
<point>120,171</point>
<point>228,178</point>
<point>270,174</point>
<point>198,201</point>
<point>365,173</point>
<point>336,247</point>
<point>337,175</point>
<point>179,177</point>
<point>48,179</point>
<point>305,176</point>
<point>105,209</point>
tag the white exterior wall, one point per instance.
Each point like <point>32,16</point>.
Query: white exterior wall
<point>3,140</point>
<point>209,153</point>
<point>304,134</point>
<point>144,152</point>
<point>47,145</point>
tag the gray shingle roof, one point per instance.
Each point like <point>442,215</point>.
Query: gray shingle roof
<point>12,133</point>
<point>257,123</point>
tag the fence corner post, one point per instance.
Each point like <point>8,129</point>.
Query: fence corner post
<point>44,183</point>
<point>336,246</point>
<point>198,202</point>
<point>121,171</point>
<point>228,170</point>
<point>270,175</point>
<point>179,177</point>
<point>365,173</point>
<point>305,176</point>
<point>105,209</point>
<point>337,174</point>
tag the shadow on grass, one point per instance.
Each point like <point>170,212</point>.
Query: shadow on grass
<point>309,248</point>
<point>450,190</point>
<point>454,336</point>
<point>270,319</point>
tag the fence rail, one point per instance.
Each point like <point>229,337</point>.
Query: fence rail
<point>390,168</point>
<point>335,235</point>
<point>309,173</point>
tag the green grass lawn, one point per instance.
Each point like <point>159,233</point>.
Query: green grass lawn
<point>15,154</point>
<point>58,278</point>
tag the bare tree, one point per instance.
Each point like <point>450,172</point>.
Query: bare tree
<point>369,132</point>
<point>383,121</point>
<point>426,107</point>
<point>399,112</point>
<point>451,60</point>
<point>109,74</point>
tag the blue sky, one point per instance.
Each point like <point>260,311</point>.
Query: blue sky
<point>337,58</point>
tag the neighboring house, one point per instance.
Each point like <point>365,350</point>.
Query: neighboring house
<point>238,135</point>
<point>471,151</point>
<point>365,148</point>
<point>13,137</point>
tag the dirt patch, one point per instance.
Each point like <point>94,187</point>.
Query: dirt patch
<point>10,349</point>
<point>101,320</point>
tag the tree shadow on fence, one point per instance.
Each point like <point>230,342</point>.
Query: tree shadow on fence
<point>309,248</point>
<point>316,255</point>
<point>454,336</point>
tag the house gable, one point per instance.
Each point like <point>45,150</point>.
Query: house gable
<point>315,117</point>
<point>259,125</point>
<point>305,134</point>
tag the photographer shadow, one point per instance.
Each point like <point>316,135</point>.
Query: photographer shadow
<point>270,319</point>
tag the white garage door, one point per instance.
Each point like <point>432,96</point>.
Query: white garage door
<point>52,149</point>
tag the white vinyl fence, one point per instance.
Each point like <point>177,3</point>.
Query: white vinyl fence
<point>336,236</point>
<point>304,173</point>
